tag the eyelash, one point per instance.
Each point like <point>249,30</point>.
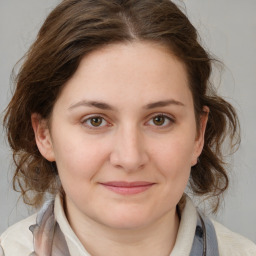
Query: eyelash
<point>90,118</point>
<point>166,117</point>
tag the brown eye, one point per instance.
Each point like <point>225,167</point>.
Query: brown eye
<point>96,121</point>
<point>159,120</point>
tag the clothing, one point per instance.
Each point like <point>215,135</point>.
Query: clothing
<point>18,239</point>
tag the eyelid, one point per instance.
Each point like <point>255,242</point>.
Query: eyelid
<point>149,118</point>
<point>88,117</point>
<point>165,115</point>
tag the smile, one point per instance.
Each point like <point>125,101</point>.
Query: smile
<point>128,188</point>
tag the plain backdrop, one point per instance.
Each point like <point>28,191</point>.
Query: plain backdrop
<point>227,29</point>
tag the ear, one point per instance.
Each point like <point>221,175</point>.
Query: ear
<point>42,137</point>
<point>199,142</point>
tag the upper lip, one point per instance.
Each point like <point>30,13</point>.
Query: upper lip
<point>126,184</point>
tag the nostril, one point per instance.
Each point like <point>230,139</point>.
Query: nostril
<point>128,161</point>
<point>128,151</point>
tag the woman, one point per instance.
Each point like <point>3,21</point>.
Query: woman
<point>113,114</point>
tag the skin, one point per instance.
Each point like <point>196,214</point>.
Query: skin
<point>144,131</point>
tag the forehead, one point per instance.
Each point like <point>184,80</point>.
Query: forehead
<point>137,71</point>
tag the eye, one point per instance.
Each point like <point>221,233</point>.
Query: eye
<point>95,122</point>
<point>161,120</point>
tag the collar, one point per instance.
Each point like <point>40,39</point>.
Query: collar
<point>183,244</point>
<point>52,233</point>
<point>74,245</point>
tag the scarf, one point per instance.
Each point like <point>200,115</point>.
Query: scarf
<point>50,241</point>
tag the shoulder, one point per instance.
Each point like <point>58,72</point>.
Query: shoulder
<point>18,239</point>
<point>231,243</point>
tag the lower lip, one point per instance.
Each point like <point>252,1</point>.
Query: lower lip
<point>128,190</point>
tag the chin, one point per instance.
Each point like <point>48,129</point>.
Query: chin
<point>127,219</point>
<point>127,223</point>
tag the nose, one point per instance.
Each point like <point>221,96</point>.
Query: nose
<point>129,151</point>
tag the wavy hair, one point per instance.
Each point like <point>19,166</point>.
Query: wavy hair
<point>74,29</point>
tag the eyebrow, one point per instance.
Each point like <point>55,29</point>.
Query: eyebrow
<point>97,104</point>
<point>163,103</point>
<point>105,106</point>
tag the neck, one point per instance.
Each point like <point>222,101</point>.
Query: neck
<point>157,238</point>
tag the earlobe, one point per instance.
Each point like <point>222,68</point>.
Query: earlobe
<point>199,143</point>
<point>42,137</point>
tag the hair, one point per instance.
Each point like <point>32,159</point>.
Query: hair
<point>74,29</point>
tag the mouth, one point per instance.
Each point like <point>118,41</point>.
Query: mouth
<point>127,188</point>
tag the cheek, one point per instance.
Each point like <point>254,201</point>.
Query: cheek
<point>173,158</point>
<point>77,167</point>
<point>78,159</point>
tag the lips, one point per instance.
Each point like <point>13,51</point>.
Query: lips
<point>128,188</point>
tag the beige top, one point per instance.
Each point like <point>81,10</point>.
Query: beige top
<point>18,239</point>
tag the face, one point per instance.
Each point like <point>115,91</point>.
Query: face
<point>123,135</point>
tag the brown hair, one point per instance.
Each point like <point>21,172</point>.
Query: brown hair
<point>74,29</point>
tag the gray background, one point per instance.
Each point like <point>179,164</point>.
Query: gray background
<point>227,29</point>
